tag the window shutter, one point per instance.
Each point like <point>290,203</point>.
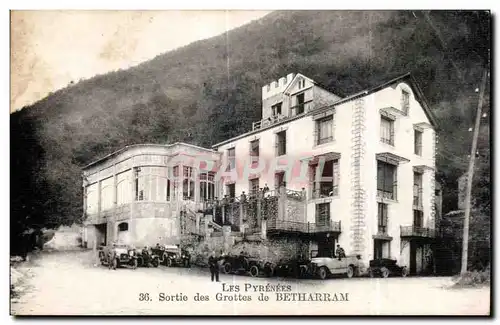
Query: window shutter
<point>384,216</point>
<point>316,132</point>
<point>395,183</point>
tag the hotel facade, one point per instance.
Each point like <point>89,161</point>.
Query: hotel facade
<point>318,170</point>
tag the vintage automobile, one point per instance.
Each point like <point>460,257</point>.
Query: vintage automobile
<point>243,264</point>
<point>146,257</point>
<point>118,255</point>
<point>172,255</point>
<point>296,268</point>
<point>386,267</point>
<point>350,266</point>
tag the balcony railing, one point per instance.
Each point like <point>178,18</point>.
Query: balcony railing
<point>268,121</point>
<point>325,192</point>
<point>413,231</point>
<point>271,120</point>
<point>303,227</point>
<point>387,195</point>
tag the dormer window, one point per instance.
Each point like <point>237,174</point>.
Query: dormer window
<point>268,87</point>
<point>302,83</point>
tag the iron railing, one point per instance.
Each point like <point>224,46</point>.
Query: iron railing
<point>413,231</point>
<point>303,227</point>
<point>324,192</point>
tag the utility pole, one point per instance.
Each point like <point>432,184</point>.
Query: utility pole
<point>465,243</point>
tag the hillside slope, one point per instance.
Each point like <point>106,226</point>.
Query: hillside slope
<point>209,91</point>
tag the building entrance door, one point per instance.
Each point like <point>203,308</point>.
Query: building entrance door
<point>413,258</point>
<point>101,234</point>
<point>326,247</point>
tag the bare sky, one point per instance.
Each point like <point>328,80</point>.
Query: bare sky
<point>49,49</point>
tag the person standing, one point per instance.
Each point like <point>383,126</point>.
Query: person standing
<point>340,252</point>
<point>213,264</point>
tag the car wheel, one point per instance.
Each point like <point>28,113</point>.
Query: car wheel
<point>155,262</point>
<point>404,272</point>
<point>322,273</point>
<point>169,262</point>
<point>371,272</point>
<point>140,262</point>
<point>254,271</point>
<point>227,267</point>
<point>114,264</point>
<point>385,272</point>
<point>350,271</point>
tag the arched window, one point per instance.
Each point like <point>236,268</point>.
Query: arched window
<point>123,226</point>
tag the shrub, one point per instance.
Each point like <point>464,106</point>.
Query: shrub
<point>473,278</point>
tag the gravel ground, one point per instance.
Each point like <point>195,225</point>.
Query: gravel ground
<point>68,283</point>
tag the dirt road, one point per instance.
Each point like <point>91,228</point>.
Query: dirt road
<point>69,284</point>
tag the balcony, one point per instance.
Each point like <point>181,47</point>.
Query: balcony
<point>326,191</point>
<point>387,195</point>
<point>417,232</point>
<point>275,226</point>
<point>268,121</point>
<point>301,108</point>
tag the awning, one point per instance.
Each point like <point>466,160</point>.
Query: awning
<point>391,112</point>
<point>314,160</point>
<point>422,168</point>
<point>422,125</point>
<point>391,158</point>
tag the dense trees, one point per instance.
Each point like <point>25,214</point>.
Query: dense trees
<point>210,90</point>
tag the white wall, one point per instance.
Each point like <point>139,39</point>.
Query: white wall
<point>400,212</point>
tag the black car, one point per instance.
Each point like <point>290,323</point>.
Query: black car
<point>243,264</point>
<point>386,267</point>
<point>296,268</point>
<point>145,258</point>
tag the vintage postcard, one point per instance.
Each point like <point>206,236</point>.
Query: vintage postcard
<point>225,162</point>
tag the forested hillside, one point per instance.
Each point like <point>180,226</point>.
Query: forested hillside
<point>210,90</point>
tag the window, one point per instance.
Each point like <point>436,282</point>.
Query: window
<point>382,218</point>
<point>281,143</point>
<point>418,142</point>
<point>386,180</point>
<point>276,109</point>
<point>92,198</point>
<point>325,130</point>
<point>418,218</point>
<point>207,186</point>
<point>322,214</point>
<point>138,184</point>
<point>231,159</point>
<point>254,151</point>
<point>123,226</point>
<point>405,101</point>
<point>123,188</point>
<point>107,193</point>
<point>188,183</point>
<point>300,104</point>
<point>280,179</point>
<point>417,189</point>
<point>301,83</point>
<point>253,186</point>
<point>231,190</point>
<point>387,130</point>
<point>268,87</point>
<point>328,183</point>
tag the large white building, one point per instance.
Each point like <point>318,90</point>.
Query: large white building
<point>378,163</point>
<point>356,171</point>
